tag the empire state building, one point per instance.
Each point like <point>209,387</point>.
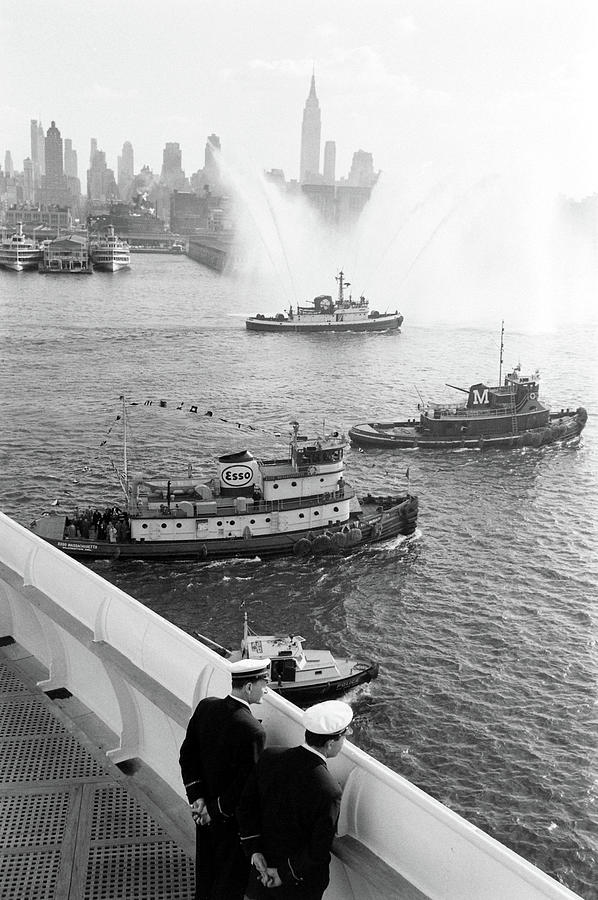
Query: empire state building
<point>311,128</point>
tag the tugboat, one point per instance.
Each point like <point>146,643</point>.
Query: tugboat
<point>298,505</point>
<point>326,314</point>
<point>510,415</point>
<point>302,676</point>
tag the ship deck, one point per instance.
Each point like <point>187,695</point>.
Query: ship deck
<point>74,826</point>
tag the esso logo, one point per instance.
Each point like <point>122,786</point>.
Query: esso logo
<point>236,475</point>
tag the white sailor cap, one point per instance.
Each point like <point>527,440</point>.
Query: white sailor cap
<point>250,668</point>
<point>329,717</point>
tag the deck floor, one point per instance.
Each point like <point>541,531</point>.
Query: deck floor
<point>73,826</point>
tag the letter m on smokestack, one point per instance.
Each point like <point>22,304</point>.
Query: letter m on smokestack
<point>478,395</point>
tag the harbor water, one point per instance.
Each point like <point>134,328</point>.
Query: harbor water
<point>484,623</point>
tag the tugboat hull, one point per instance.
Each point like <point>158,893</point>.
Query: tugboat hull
<point>382,323</point>
<point>563,426</point>
<point>384,518</point>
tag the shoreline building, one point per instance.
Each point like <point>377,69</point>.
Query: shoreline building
<point>311,130</point>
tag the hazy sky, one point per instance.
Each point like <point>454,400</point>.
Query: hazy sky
<point>441,83</point>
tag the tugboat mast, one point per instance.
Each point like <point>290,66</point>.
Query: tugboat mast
<point>502,332</point>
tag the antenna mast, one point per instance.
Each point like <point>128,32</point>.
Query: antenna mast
<point>502,332</point>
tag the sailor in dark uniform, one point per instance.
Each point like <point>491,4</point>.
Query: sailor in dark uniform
<point>222,745</point>
<point>290,807</point>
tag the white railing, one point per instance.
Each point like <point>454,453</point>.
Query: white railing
<point>143,676</point>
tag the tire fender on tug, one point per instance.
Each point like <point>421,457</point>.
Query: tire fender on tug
<point>322,544</point>
<point>339,540</point>
<point>354,537</point>
<point>302,547</point>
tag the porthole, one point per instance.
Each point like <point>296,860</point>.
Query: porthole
<point>293,484</point>
<point>144,525</point>
<point>275,486</point>
<point>267,518</point>
<point>252,521</point>
<point>179,524</point>
<point>232,522</point>
<point>335,508</point>
<point>316,513</point>
<point>301,516</point>
<point>219,524</point>
<point>163,525</point>
<point>321,481</point>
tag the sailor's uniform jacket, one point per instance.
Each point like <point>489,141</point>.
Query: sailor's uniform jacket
<point>289,811</point>
<point>222,745</point>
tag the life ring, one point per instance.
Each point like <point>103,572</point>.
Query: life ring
<point>312,470</point>
<point>302,547</point>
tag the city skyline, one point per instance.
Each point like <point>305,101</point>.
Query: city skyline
<point>415,85</point>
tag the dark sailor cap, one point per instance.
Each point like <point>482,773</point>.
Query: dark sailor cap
<point>330,717</point>
<point>244,669</point>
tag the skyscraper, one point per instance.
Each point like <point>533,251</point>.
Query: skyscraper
<point>9,169</point>
<point>28,192</point>
<point>53,183</point>
<point>309,167</point>
<point>329,162</point>
<point>70,159</point>
<point>172,171</point>
<point>125,171</point>
<point>211,170</point>
<point>38,142</point>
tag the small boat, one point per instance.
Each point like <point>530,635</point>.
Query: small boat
<point>510,415</point>
<point>299,675</point>
<point>298,505</point>
<point>109,252</point>
<point>18,252</point>
<point>326,314</point>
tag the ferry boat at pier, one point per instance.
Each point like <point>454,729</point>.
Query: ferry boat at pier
<point>508,415</point>
<point>18,252</point>
<point>298,505</point>
<point>109,252</point>
<point>327,314</point>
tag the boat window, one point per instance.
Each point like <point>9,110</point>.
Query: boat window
<point>232,522</point>
<point>163,525</point>
<point>267,518</point>
<point>179,525</point>
<point>316,513</point>
<point>275,486</point>
<point>335,508</point>
<point>219,524</point>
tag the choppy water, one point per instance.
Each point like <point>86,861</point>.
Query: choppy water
<point>484,624</point>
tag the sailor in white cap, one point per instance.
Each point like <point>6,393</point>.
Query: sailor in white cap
<point>290,807</point>
<point>222,745</point>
